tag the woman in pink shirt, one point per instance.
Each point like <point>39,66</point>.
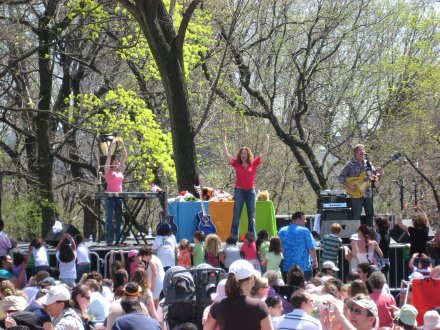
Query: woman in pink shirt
<point>244,192</point>
<point>113,205</point>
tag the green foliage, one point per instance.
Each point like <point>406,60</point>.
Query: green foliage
<point>122,111</point>
<point>22,216</point>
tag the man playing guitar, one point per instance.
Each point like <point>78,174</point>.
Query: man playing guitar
<point>357,176</point>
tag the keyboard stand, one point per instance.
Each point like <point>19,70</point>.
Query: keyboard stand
<point>130,213</point>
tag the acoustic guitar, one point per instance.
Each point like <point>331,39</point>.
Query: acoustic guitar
<point>364,181</point>
<point>164,216</point>
<point>205,222</point>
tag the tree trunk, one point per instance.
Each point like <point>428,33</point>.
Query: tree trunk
<point>167,48</point>
<point>43,127</point>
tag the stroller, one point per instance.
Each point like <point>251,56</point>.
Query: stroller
<point>187,292</point>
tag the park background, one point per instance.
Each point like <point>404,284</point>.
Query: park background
<point>170,77</point>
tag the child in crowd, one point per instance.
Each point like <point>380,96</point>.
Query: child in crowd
<point>231,252</point>
<point>424,265</point>
<point>39,254</point>
<point>330,244</point>
<point>115,265</point>
<point>275,305</point>
<point>19,263</point>
<point>198,252</point>
<point>165,245</point>
<point>83,257</point>
<point>66,256</point>
<point>134,263</point>
<point>184,254</point>
<point>249,249</point>
<point>262,246</point>
<point>212,250</point>
<point>274,257</point>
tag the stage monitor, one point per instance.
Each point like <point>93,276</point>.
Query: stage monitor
<point>349,227</point>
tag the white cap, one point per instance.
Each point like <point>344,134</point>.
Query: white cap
<point>331,265</point>
<point>243,269</point>
<point>431,320</point>
<point>56,293</point>
<point>220,291</point>
<point>14,303</point>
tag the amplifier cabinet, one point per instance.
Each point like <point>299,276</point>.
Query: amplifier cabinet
<point>349,227</point>
<point>344,213</point>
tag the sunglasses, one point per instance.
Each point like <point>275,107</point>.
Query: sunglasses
<point>87,297</point>
<point>355,311</point>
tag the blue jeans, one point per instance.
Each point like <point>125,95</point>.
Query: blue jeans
<point>365,202</point>
<point>81,270</point>
<point>113,233</point>
<point>242,196</point>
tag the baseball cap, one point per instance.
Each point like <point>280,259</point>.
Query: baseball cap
<point>132,289</point>
<point>355,237</point>
<point>368,304</point>
<point>408,314</point>
<point>48,281</point>
<point>56,293</point>
<point>132,253</point>
<point>431,320</point>
<point>219,292</point>
<point>331,265</point>
<point>243,269</point>
<point>14,303</point>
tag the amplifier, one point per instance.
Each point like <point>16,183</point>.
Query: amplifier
<point>349,227</point>
<point>333,201</point>
<point>337,214</point>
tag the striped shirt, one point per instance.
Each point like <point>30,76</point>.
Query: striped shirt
<point>299,320</point>
<point>330,245</point>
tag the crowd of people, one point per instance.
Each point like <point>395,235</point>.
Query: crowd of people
<point>270,282</point>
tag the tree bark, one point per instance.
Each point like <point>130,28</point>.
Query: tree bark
<point>167,48</point>
<point>43,123</point>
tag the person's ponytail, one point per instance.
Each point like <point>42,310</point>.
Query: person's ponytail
<point>232,286</point>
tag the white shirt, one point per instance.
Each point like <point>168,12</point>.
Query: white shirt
<point>40,256</point>
<point>299,320</point>
<point>67,269</point>
<point>166,249</point>
<point>82,254</point>
<point>98,307</point>
<point>5,243</point>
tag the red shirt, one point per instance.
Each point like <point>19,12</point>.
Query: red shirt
<point>383,302</point>
<point>249,250</point>
<point>245,176</point>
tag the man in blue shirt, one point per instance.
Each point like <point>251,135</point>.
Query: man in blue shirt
<point>134,319</point>
<point>298,246</point>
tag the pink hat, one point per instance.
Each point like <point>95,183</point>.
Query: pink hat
<point>132,253</point>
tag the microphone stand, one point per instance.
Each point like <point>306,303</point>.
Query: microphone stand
<point>370,170</point>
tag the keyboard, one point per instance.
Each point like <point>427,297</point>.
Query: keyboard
<point>129,194</point>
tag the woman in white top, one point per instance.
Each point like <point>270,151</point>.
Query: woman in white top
<point>66,255</point>
<point>82,257</point>
<point>156,274</point>
<point>362,250</point>
<point>39,254</point>
<point>165,244</point>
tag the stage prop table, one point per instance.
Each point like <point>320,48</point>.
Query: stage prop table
<point>185,214</point>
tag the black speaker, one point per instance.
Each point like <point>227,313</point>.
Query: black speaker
<point>52,238</point>
<point>283,220</point>
<point>336,214</point>
<point>399,235</point>
<point>349,227</point>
